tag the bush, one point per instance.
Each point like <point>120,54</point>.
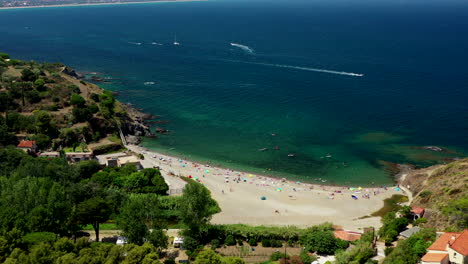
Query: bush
<point>38,237</point>
<point>306,258</point>
<point>419,221</point>
<point>230,241</point>
<point>425,194</point>
<point>388,250</point>
<point>253,242</point>
<point>215,243</point>
<point>266,242</point>
<point>77,100</point>
<point>278,255</point>
<point>33,96</point>
<point>169,261</point>
<point>276,243</point>
<point>240,242</point>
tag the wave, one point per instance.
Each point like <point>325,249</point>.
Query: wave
<point>244,48</point>
<point>307,69</point>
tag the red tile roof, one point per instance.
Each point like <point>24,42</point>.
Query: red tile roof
<point>417,210</point>
<point>441,243</point>
<point>460,244</point>
<point>347,235</point>
<point>26,144</point>
<point>434,257</point>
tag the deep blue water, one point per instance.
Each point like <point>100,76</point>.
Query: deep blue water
<point>225,102</point>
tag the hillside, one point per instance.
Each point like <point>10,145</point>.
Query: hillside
<point>48,103</point>
<point>442,191</point>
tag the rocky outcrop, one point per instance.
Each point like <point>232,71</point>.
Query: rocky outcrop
<point>134,125</point>
<point>71,72</point>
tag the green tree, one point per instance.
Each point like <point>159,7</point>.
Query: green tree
<point>28,75</point>
<point>42,141</point>
<point>93,211</point>
<point>208,256</point>
<point>138,214</point>
<point>322,242</point>
<point>197,207</point>
<point>39,84</point>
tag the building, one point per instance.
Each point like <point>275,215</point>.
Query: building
<point>27,146</point>
<point>122,161</point>
<point>79,156</point>
<point>448,248</point>
<point>347,235</point>
<point>417,212</point>
<point>409,232</point>
<point>50,154</point>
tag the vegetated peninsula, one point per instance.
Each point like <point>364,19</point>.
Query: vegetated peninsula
<point>45,3</point>
<point>74,190</point>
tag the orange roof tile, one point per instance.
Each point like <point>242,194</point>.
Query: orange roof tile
<point>441,243</point>
<point>434,257</point>
<point>347,235</point>
<point>26,144</point>
<point>417,210</point>
<point>460,244</point>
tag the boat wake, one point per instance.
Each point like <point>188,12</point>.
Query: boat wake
<point>244,48</point>
<point>135,43</point>
<point>308,69</point>
<point>156,43</point>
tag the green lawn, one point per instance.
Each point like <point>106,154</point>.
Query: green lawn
<point>77,149</point>
<point>105,226</point>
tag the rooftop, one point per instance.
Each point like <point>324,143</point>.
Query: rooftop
<point>347,235</point>
<point>26,144</point>
<point>441,243</point>
<point>129,159</point>
<point>434,257</point>
<point>409,232</point>
<point>417,210</point>
<point>460,244</point>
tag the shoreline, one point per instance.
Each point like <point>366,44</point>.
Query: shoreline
<point>98,4</point>
<point>286,202</point>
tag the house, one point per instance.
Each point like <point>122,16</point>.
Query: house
<point>409,232</point>
<point>79,156</point>
<point>347,235</point>
<point>417,212</point>
<point>448,248</point>
<point>178,241</point>
<point>110,160</point>
<point>27,146</point>
<point>458,249</point>
<point>122,161</point>
<point>50,154</point>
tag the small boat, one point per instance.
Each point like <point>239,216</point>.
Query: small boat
<point>291,155</point>
<point>328,155</point>
<point>263,149</point>
<point>175,41</point>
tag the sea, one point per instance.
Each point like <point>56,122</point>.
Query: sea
<point>326,91</point>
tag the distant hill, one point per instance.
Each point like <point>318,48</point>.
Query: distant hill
<point>49,103</point>
<point>443,191</point>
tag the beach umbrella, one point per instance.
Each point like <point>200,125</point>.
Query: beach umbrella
<point>397,189</point>
<point>352,188</point>
<point>183,165</point>
<point>278,189</point>
<point>250,175</point>
<point>360,188</point>
<point>207,171</point>
<point>263,198</point>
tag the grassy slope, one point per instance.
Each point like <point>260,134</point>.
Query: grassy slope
<point>437,187</point>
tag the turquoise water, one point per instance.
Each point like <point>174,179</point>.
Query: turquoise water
<point>294,74</point>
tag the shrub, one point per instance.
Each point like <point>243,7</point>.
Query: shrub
<point>276,243</point>
<point>388,250</point>
<point>306,258</point>
<point>266,242</point>
<point>240,242</point>
<point>230,241</point>
<point>77,100</point>
<point>419,221</point>
<point>253,242</point>
<point>278,255</point>
<point>425,194</point>
<point>169,261</point>
<point>215,243</point>
<point>38,237</point>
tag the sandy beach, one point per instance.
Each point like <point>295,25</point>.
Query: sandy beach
<point>286,203</point>
<point>98,4</point>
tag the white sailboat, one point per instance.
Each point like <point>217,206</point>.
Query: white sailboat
<point>175,41</point>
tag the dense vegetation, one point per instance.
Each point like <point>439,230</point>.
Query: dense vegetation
<point>43,103</point>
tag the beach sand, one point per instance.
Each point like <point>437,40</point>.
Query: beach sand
<point>287,203</point>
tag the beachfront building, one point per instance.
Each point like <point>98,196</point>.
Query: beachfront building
<point>79,156</point>
<point>49,154</point>
<point>448,248</point>
<point>417,212</point>
<point>27,146</point>
<point>133,160</point>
